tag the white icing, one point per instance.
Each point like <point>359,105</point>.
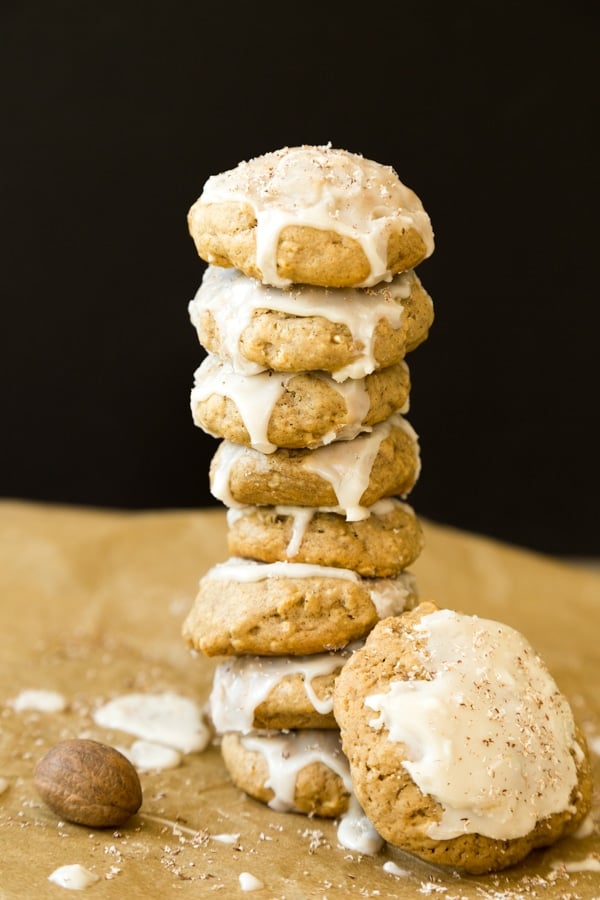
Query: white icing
<point>324,188</point>
<point>355,831</point>
<point>232,299</point>
<point>256,395</point>
<point>39,699</point>
<point>73,878</point>
<point>239,569</point>
<point>147,756</point>
<point>241,684</point>
<point>161,718</point>
<point>488,734</point>
<point>346,465</point>
<point>249,882</point>
<point>389,595</point>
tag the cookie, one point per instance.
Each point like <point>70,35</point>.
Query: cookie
<point>311,215</point>
<point>284,693</point>
<point>389,540</point>
<point>280,609</point>
<point>348,333</point>
<point>461,747</point>
<point>348,475</point>
<point>303,771</point>
<point>270,410</point>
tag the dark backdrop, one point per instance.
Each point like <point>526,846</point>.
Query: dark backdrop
<point>115,112</point>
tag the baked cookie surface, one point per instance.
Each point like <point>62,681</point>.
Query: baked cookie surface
<point>348,333</point>
<point>461,748</point>
<point>388,541</point>
<point>309,409</point>
<point>302,771</point>
<point>311,215</point>
<point>348,475</point>
<point>281,609</point>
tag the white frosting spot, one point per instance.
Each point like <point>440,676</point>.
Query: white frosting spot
<point>74,878</point>
<point>232,299</point>
<point>226,838</point>
<point>390,595</point>
<point>42,700</point>
<point>166,719</point>
<point>355,831</point>
<point>323,188</point>
<point>249,882</point>
<point>393,869</point>
<point>3,784</point>
<point>489,736</point>
<point>149,757</point>
<point>590,863</point>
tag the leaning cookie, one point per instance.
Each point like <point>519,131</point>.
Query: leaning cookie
<point>311,215</point>
<point>461,747</point>
<point>348,475</point>
<point>283,693</point>
<point>280,609</point>
<point>389,540</point>
<point>309,409</point>
<point>348,333</point>
<point>303,771</point>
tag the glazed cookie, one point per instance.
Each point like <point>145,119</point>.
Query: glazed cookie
<point>348,475</point>
<point>311,215</point>
<point>285,693</point>
<point>348,333</point>
<point>270,410</point>
<point>389,540</point>
<point>288,609</point>
<point>303,772</point>
<point>461,747</point>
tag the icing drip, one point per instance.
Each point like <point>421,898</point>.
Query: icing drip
<point>241,684</point>
<point>287,754</point>
<point>256,395</point>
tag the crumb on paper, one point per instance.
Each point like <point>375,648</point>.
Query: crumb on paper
<point>249,882</point>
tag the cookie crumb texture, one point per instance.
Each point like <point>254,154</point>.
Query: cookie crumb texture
<point>461,748</point>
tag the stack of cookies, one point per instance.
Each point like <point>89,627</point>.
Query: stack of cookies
<point>307,309</point>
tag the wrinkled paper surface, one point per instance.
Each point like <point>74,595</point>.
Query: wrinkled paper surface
<point>91,606</point>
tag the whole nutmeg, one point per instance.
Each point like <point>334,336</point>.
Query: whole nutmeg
<point>88,783</point>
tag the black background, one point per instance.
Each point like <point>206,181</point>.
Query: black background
<point>115,113</point>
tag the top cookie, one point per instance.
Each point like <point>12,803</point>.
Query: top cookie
<point>311,215</point>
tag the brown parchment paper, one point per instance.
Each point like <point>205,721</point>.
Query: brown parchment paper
<point>91,605</point>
